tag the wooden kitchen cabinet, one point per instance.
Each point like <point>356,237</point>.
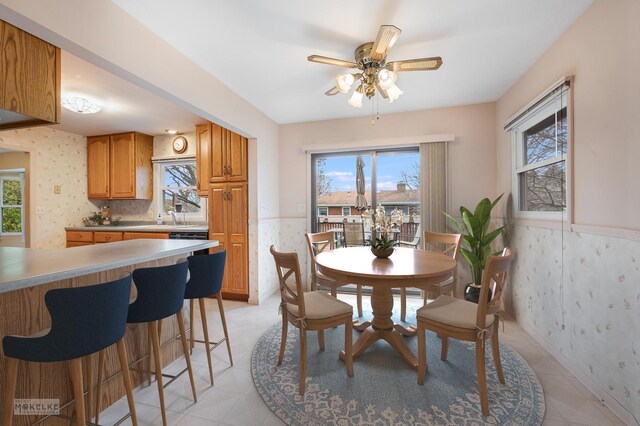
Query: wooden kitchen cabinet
<point>221,156</point>
<point>106,237</point>
<point>203,158</point>
<point>228,223</point>
<point>119,167</point>
<point>142,235</point>
<point>29,79</point>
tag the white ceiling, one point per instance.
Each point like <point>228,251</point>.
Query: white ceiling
<point>259,48</point>
<point>125,106</point>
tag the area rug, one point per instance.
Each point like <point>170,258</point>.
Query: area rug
<point>383,390</point>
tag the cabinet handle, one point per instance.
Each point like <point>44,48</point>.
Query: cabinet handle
<point>131,188</point>
<point>230,170</point>
<point>198,185</point>
<point>229,196</point>
<point>108,237</point>
<point>224,195</point>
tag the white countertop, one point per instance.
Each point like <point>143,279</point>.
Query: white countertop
<point>22,268</point>
<point>140,228</point>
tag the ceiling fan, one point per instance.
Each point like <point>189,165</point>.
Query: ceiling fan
<point>375,73</point>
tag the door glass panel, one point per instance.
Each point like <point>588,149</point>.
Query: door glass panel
<point>335,191</point>
<point>398,189</point>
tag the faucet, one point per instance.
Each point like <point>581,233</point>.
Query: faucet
<point>173,217</point>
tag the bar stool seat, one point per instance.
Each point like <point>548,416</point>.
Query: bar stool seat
<point>84,320</point>
<point>206,273</point>
<point>160,295</point>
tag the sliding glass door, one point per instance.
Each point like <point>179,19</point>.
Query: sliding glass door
<point>391,179</point>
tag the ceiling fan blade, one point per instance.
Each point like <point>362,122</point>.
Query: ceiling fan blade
<point>387,36</point>
<point>332,61</point>
<point>382,91</point>
<point>333,91</point>
<point>422,64</point>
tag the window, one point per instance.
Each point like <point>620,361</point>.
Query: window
<point>391,179</point>
<point>11,206</point>
<point>176,186</point>
<point>540,141</point>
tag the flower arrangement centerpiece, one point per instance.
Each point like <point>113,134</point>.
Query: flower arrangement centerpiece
<point>381,226</point>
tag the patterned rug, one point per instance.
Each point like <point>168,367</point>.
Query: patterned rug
<point>383,390</point>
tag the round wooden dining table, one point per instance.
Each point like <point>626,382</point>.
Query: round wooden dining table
<point>406,267</point>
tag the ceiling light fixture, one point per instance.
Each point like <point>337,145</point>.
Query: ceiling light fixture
<point>172,131</point>
<point>80,105</point>
<point>376,74</point>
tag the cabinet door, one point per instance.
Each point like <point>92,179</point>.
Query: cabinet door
<point>218,163</point>
<point>217,215</point>
<point>98,167</point>
<point>145,235</point>
<point>236,157</point>
<point>122,168</point>
<point>203,159</point>
<point>237,262</point>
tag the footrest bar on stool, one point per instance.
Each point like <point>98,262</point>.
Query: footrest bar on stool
<point>212,344</point>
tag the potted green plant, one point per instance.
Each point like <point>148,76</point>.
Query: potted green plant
<point>477,241</point>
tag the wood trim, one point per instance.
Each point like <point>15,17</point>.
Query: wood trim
<point>141,235</point>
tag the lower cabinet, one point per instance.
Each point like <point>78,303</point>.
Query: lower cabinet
<point>147,235</point>
<point>85,238</point>
<point>228,223</point>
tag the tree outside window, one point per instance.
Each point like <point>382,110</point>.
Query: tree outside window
<point>178,186</point>
<point>11,205</point>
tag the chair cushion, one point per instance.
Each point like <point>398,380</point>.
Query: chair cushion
<point>319,305</point>
<point>453,312</point>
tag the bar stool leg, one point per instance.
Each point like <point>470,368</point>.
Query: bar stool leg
<point>75,369</point>
<point>126,377</point>
<point>155,344</point>
<point>11,367</point>
<point>224,324</point>
<point>90,394</point>
<point>403,304</point>
<point>101,360</point>
<point>187,357</point>
<point>192,335</point>
<point>205,331</point>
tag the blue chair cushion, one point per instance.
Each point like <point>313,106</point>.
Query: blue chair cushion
<point>206,272</point>
<point>84,320</point>
<point>160,292</point>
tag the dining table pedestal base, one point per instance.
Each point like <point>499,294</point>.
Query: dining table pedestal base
<point>383,327</point>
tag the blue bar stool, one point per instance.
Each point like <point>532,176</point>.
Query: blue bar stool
<point>161,295</point>
<point>84,320</point>
<point>206,272</point>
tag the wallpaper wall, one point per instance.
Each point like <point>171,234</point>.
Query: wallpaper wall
<point>579,293</point>
<point>60,159</point>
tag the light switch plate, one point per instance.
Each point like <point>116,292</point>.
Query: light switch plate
<point>41,210</point>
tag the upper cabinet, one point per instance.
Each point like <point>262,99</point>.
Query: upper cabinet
<point>221,156</point>
<point>29,79</point>
<point>119,167</point>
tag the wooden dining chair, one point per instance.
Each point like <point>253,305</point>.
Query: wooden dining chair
<point>317,243</point>
<point>353,234</point>
<point>313,310</point>
<point>463,320</point>
<point>448,244</point>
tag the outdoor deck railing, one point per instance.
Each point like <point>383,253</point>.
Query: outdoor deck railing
<point>407,230</point>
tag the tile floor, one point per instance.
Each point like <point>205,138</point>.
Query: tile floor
<point>234,400</point>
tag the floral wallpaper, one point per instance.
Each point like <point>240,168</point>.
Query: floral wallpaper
<point>60,159</point>
<point>581,293</point>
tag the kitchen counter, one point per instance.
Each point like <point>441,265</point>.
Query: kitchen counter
<point>26,275</point>
<point>23,268</point>
<point>140,228</point>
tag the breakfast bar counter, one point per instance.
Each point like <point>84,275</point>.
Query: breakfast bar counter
<point>27,274</point>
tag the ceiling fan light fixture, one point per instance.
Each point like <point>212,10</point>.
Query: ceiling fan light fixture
<point>344,82</point>
<point>386,78</point>
<point>394,93</point>
<point>356,98</point>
